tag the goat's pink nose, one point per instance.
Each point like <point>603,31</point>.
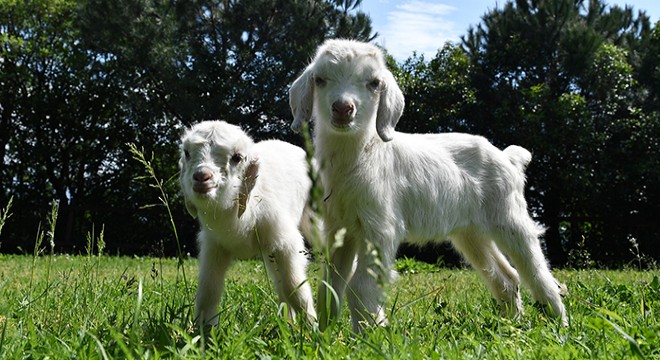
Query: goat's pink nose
<point>343,108</point>
<point>203,175</point>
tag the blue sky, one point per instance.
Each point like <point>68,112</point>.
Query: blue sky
<point>424,26</point>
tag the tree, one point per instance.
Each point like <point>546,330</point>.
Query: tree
<point>627,165</point>
<point>80,79</point>
<point>648,71</point>
<point>439,94</point>
<point>214,59</point>
<point>59,111</point>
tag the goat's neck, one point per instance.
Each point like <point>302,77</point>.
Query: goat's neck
<point>342,152</point>
<point>228,219</point>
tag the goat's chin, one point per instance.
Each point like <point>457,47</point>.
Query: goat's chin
<point>201,189</point>
<point>203,192</point>
<point>212,201</point>
<point>342,126</point>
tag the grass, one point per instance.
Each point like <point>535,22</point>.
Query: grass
<point>97,307</point>
<point>101,307</point>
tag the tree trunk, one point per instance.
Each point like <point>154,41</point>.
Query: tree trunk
<point>554,250</point>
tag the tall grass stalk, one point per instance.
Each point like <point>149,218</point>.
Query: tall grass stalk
<point>52,223</point>
<point>5,214</point>
<point>98,242</point>
<point>2,335</point>
<point>92,268</point>
<point>168,312</point>
<point>35,254</point>
<point>320,246</point>
<point>138,155</point>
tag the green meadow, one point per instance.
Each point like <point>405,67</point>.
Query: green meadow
<point>103,307</point>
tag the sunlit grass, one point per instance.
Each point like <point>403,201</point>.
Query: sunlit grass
<point>109,307</point>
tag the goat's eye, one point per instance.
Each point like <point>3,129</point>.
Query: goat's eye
<point>319,81</point>
<point>186,154</point>
<point>236,158</point>
<point>374,84</point>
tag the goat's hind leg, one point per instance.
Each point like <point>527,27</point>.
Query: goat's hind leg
<point>501,279</point>
<point>521,244</point>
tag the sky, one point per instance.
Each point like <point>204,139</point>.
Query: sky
<point>405,26</point>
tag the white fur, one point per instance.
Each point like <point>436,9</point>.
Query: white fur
<point>384,187</point>
<point>249,203</point>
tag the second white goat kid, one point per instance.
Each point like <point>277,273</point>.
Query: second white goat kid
<point>249,199</point>
<point>384,187</point>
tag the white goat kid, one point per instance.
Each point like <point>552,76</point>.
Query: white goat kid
<point>385,187</point>
<point>249,199</point>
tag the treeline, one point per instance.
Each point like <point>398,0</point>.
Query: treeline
<point>576,82</point>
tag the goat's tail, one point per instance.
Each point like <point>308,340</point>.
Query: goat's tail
<point>519,156</point>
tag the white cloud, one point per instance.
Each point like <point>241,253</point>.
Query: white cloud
<point>417,6</point>
<point>420,26</point>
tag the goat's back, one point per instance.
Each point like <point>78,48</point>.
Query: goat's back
<point>283,180</point>
<point>450,180</point>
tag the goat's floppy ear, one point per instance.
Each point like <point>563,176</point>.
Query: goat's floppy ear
<point>301,99</point>
<point>192,210</point>
<point>249,179</point>
<point>390,107</point>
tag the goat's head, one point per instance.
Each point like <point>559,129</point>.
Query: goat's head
<point>348,88</point>
<point>216,165</point>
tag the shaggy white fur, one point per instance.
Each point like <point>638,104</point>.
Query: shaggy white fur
<point>249,199</point>
<point>384,187</point>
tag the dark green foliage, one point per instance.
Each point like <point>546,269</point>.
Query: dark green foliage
<point>576,82</point>
<point>80,79</point>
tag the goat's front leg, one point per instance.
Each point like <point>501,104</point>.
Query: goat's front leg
<point>337,272</point>
<point>365,291</point>
<point>213,264</point>
<point>288,272</point>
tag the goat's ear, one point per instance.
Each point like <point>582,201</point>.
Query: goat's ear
<point>249,180</point>
<point>301,99</point>
<point>192,210</point>
<point>390,107</point>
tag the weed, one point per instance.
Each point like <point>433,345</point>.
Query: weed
<point>158,183</point>
<point>643,261</point>
<point>580,257</point>
<point>5,214</point>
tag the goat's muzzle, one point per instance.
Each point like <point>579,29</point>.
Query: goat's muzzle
<point>342,113</point>
<point>202,181</point>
